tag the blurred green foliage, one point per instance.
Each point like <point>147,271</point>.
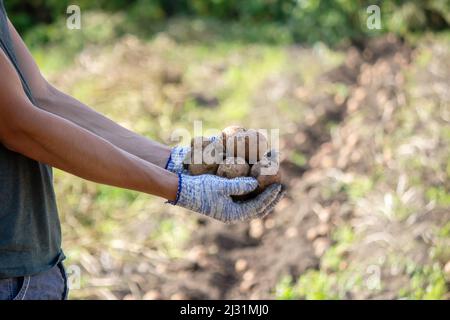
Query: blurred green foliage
<point>427,283</point>
<point>307,20</point>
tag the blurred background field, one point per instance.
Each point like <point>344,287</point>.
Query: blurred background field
<point>365,140</point>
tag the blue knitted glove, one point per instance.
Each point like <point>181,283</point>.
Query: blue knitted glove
<point>211,195</point>
<point>177,156</point>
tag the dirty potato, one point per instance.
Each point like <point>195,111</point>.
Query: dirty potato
<point>266,171</point>
<point>250,145</point>
<point>204,156</point>
<point>233,168</point>
<point>228,132</point>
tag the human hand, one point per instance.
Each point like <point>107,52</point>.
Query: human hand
<point>177,156</point>
<point>212,196</point>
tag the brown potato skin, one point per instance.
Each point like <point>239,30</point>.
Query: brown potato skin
<point>198,169</point>
<point>199,144</point>
<point>235,165</point>
<point>269,159</point>
<point>229,132</point>
<point>233,168</point>
<point>255,145</point>
<point>264,180</point>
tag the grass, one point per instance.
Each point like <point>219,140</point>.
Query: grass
<point>234,67</point>
<point>128,227</point>
<point>319,285</point>
<point>426,283</point>
<point>439,195</point>
<point>388,198</point>
<point>333,258</point>
<point>332,280</point>
<point>358,187</point>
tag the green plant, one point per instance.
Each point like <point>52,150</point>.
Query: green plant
<point>426,283</point>
<point>358,187</point>
<point>308,20</point>
<point>439,195</point>
<point>316,285</point>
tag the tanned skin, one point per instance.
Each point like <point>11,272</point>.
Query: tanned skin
<point>66,134</point>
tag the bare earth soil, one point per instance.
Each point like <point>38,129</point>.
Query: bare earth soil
<point>364,149</point>
<point>247,260</point>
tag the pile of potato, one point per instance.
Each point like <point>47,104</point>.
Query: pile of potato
<point>237,153</point>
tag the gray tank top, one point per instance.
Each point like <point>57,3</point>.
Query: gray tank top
<point>30,234</point>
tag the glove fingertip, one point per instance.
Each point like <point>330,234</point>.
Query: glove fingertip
<point>273,204</point>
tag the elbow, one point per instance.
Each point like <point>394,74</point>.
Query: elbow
<point>13,132</point>
<point>11,136</point>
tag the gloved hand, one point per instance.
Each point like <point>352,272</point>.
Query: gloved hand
<point>177,156</point>
<point>211,195</point>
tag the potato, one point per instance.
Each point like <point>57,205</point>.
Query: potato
<point>230,131</point>
<point>204,156</point>
<point>272,155</point>
<point>233,168</point>
<point>266,171</point>
<point>199,168</point>
<point>202,168</point>
<point>265,180</point>
<point>249,144</point>
<point>199,143</point>
<point>243,146</point>
<point>206,150</point>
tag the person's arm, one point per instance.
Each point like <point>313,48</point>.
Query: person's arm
<point>50,139</point>
<point>56,102</point>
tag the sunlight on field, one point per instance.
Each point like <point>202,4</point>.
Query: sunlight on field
<point>367,163</point>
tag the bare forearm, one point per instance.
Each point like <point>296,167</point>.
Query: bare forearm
<point>50,139</point>
<point>56,102</point>
<point>75,111</point>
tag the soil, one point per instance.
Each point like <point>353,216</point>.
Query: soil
<point>245,261</point>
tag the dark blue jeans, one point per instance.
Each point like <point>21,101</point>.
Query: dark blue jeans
<point>48,285</point>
